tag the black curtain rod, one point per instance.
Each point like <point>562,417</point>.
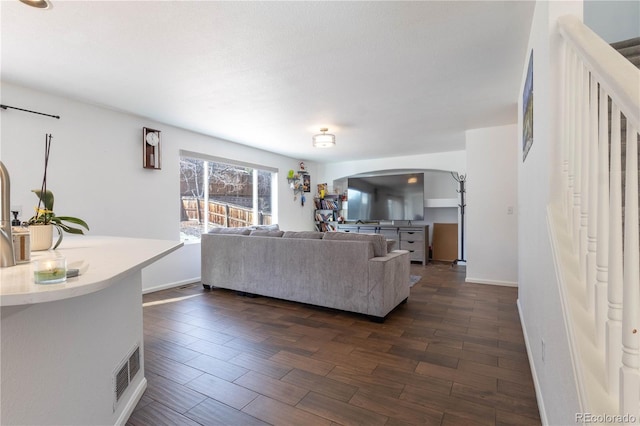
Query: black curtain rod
<point>32,112</point>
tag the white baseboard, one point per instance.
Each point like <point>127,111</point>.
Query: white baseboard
<point>170,285</point>
<point>491,282</point>
<point>132,402</point>
<point>532,365</point>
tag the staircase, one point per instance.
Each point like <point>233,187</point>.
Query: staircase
<point>595,222</point>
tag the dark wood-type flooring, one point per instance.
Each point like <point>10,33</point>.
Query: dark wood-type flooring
<point>453,355</point>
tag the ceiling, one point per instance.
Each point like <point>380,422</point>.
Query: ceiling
<point>387,78</point>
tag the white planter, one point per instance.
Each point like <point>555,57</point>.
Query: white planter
<point>41,237</point>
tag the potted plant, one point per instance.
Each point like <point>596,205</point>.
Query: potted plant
<point>46,216</point>
<point>42,223</point>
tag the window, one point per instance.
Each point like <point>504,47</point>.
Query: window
<point>217,192</point>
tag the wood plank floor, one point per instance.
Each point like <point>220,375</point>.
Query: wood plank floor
<point>453,355</point>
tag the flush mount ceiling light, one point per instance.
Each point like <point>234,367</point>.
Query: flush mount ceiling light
<point>40,4</point>
<point>324,139</point>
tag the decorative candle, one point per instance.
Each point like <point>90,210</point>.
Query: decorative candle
<point>50,271</point>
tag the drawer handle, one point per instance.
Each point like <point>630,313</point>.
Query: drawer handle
<point>410,232</point>
<point>411,251</point>
<point>411,242</point>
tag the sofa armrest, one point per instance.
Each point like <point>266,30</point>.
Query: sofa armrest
<point>388,282</point>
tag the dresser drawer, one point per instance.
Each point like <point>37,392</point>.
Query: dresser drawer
<point>411,236</point>
<point>416,255</point>
<point>411,245</point>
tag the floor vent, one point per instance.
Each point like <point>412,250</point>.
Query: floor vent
<point>134,362</point>
<point>125,372</point>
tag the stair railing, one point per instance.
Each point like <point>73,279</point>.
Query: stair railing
<point>598,82</point>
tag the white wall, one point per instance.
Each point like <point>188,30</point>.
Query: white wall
<point>96,174</point>
<point>447,161</point>
<point>491,231</point>
<point>440,188</point>
<point>538,292</point>
<point>613,20</point>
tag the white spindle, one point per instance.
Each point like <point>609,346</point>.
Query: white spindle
<point>571,87</point>
<point>602,246</point>
<point>577,157</point>
<point>629,373</point>
<point>584,183</point>
<point>614,290</point>
<point>566,146</point>
<point>592,198</point>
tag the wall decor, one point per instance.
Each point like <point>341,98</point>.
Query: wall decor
<point>322,190</point>
<point>306,182</point>
<point>527,111</point>
<point>150,148</point>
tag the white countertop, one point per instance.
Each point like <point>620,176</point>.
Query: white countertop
<point>108,259</point>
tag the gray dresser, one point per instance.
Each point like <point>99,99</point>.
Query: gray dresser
<point>415,239</point>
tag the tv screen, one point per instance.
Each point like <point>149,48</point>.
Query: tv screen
<point>389,197</point>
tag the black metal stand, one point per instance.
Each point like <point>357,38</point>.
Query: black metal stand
<point>461,179</point>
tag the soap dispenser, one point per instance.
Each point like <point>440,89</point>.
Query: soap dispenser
<point>21,240</point>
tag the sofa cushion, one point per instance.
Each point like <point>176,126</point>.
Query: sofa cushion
<point>240,231</point>
<point>264,233</point>
<point>304,234</point>
<point>379,242</point>
<point>390,245</point>
<point>274,227</point>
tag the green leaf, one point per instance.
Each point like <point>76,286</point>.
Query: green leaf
<point>74,220</point>
<point>59,237</point>
<point>47,199</point>
<point>70,229</point>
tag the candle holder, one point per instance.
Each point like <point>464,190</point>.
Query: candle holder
<point>50,271</point>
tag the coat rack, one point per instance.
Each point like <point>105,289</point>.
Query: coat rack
<point>461,179</point>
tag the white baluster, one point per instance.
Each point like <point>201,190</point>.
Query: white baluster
<point>614,290</point>
<point>577,153</point>
<point>629,373</point>
<point>602,246</point>
<point>570,125</point>
<point>566,146</point>
<point>592,227</point>
<point>584,184</point>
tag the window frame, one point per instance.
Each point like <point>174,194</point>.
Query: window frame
<point>256,168</point>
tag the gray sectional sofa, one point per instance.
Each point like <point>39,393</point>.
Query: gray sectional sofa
<point>350,272</point>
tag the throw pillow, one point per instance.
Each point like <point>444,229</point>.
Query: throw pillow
<point>262,233</point>
<point>304,234</point>
<point>379,242</point>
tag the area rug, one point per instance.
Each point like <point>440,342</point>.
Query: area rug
<point>414,279</point>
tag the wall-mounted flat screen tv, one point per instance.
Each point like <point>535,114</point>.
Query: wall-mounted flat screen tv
<point>386,197</point>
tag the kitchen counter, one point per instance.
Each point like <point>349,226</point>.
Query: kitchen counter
<point>107,259</point>
<point>63,345</point>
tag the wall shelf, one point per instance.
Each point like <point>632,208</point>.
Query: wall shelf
<point>296,183</point>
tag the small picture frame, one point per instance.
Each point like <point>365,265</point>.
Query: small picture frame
<point>306,182</point>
